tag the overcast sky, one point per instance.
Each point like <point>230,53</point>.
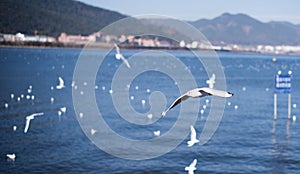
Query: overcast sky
<point>263,10</point>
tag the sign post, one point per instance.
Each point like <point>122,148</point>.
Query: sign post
<point>283,84</point>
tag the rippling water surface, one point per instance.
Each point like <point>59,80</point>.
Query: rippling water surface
<point>247,140</point>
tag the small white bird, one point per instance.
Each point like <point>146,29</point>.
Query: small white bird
<point>15,128</point>
<point>61,84</point>
<point>81,115</point>
<point>28,97</point>
<point>156,133</point>
<point>29,118</point>
<point>193,138</point>
<point>119,56</point>
<point>211,81</point>
<point>196,93</point>
<point>192,167</point>
<point>52,99</point>
<point>93,131</point>
<point>294,118</point>
<point>11,156</point>
<point>150,116</point>
<point>63,109</point>
<point>29,90</point>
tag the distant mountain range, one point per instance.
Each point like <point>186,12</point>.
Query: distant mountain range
<point>242,29</point>
<point>51,17</point>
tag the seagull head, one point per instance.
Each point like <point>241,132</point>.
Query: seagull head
<point>230,93</point>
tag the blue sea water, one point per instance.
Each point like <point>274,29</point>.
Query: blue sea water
<point>247,140</point>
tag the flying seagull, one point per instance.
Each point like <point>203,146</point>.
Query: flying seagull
<point>61,84</point>
<point>196,93</point>
<point>192,167</point>
<point>120,56</point>
<point>156,133</point>
<point>29,118</point>
<point>193,139</point>
<point>211,81</point>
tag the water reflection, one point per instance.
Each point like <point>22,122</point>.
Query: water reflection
<point>280,147</point>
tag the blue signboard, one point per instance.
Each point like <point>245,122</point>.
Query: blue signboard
<point>283,83</point>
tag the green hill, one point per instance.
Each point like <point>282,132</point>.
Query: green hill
<point>51,17</point>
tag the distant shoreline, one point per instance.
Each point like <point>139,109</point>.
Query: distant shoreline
<point>109,46</point>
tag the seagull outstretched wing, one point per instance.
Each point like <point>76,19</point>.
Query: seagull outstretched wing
<point>29,118</point>
<point>117,48</point>
<point>125,61</point>
<point>176,102</point>
<point>120,56</point>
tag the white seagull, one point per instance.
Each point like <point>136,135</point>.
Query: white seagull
<point>93,131</point>
<point>63,109</point>
<point>193,139</point>
<point>211,81</point>
<point>192,167</point>
<point>29,118</point>
<point>156,133</point>
<point>11,156</point>
<point>196,93</point>
<point>120,56</point>
<point>61,84</point>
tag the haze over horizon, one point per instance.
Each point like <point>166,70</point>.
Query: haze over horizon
<point>265,11</point>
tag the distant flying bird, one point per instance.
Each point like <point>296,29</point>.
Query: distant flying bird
<point>192,167</point>
<point>11,156</point>
<point>196,93</point>
<point>156,133</point>
<point>120,56</point>
<point>29,118</point>
<point>93,131</point>
<point>211,81</point>
<point>193,138</point>
<point>61,84</point>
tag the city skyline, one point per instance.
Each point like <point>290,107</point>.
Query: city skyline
<point>265,11</point>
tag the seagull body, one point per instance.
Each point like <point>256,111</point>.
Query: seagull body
<point>193,139</point>
<point>61,84</point>
<point>11,156</point>
<point>192,167</point>
<point>196,93</point>
<point>29,118</point>
<point>120,56</point>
